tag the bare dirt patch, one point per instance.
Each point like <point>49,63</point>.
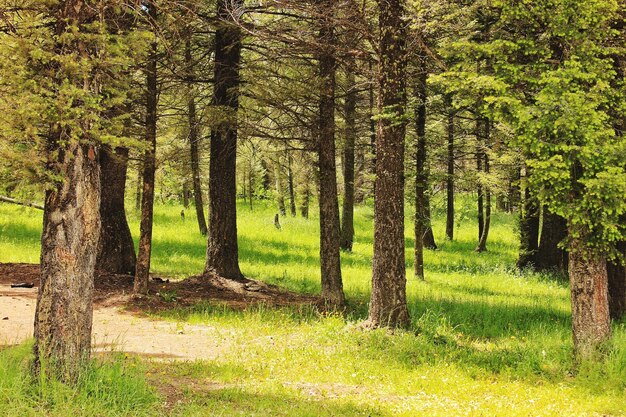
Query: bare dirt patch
<point>120,322</point>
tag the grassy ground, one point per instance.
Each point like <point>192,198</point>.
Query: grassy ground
<point>485,340</point>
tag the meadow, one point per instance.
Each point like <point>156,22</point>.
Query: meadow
<point>485,339</point>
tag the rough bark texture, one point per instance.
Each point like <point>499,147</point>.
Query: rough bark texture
<point>194,142</point>
<point>116,250</point>
<point>450,174</point>
<point>388,302</point>
<point>421,177</point>
<point>529,229</point>
<point>347,218</point>
<point>589,294</point>
<point>69,246</point>
<point>222,252</point>
<point>332,286</point>
<point>617,285</point>
<point>549,257</point>
<point>71,231</point>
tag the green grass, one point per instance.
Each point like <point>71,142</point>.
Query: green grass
<point>485,339</point>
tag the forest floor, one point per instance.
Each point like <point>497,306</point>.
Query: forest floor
<point>121,322</point>
<point>485,338</point>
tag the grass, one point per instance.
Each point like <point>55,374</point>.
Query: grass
<point>485,339</point>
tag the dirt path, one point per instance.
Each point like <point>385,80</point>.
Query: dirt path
<point>114,330</point>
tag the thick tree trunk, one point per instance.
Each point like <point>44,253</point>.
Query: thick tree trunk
<point>347,218</point>
<point>617,285</point>
<point>450,173</point>
<point>222,252</point>
<point>549,257</point>
<point>590,304</point>
<point>69,245</point>
<point>529,228</point>
<point>142,271</point>
<point>388,302</point>
<point>194,142</point>
<point>290,186</point>
<point>116,249</point>
<point>332,286</point>
<point>421,177</point>
<point>372,106</point>
<point>71,226</point>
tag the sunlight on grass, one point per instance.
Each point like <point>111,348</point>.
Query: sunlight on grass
<point>485,339</point>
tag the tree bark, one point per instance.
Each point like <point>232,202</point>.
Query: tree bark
<point>421,177</point>
<point>549,257</point>
<point>482,243</point>
<point>142,270</point>
<point>589,294</point>
<point>450,174</point>
<point>194,141</point>
<point>388,301</point>
<point>529,228</point>
<point>116,249</point>
<point>617,285</point>
<point>223,252</point>
<point>71,226</point>
<point>347,218</point>
<point>332,285</point>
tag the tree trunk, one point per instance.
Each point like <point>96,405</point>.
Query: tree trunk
<point>347,218</point>
<point>332,286</point>
<point>617,285</point>
<point>549,257</point>
<point>144,254</point>
<point>280,192</point>
<point>194,141</point>
<point>71,226</point>
<point>388,301</point>
<point>292,191</point>
<point>482,243</point>
<point>138,186</point>
<point>372,105</point>
<point>421,176</point>
<point>306,191</point>
<point>590,304</point>
<point>450,173</point>
<point>479,187</point>
<point>116,249</point>
<point>529,228</point>
<point>222,252</point>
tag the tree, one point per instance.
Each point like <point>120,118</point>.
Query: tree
<point>388,301</point>
<point>194,137</point>
<point>64,79</point>
<point>332,286</point>
<point>116,250</point>
<point>222,256</point>
<point>142,270</point>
